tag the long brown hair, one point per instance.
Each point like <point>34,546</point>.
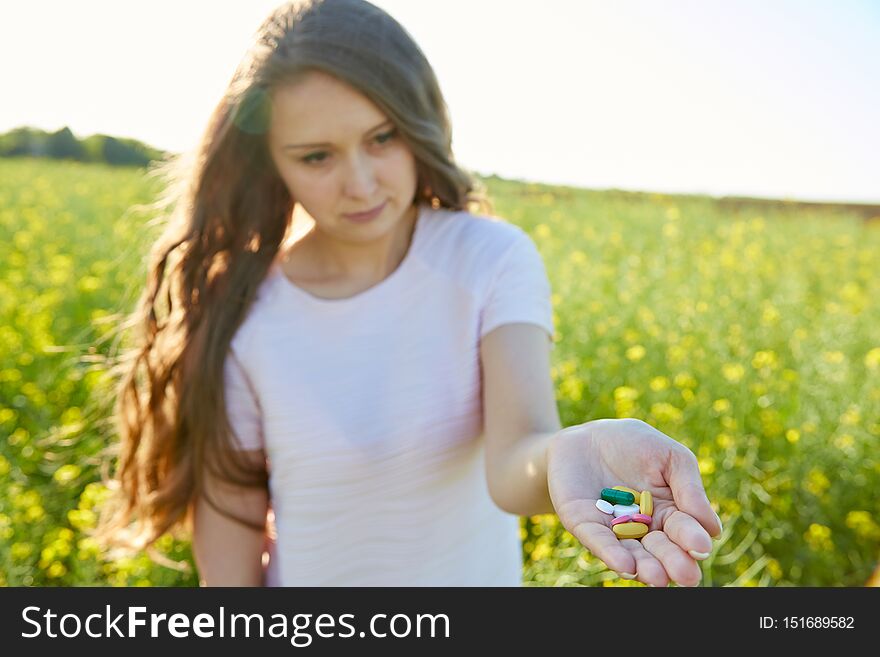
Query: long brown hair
<point>227,212</point>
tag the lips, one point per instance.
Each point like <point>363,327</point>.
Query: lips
<point>366,215</point>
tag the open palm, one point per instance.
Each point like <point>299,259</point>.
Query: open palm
<point>584,459</point>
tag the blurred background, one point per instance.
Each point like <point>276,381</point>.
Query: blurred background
<point>700,177</point>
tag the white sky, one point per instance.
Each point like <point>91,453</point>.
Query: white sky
<point>770,98</point>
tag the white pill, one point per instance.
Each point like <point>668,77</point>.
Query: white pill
<point>605,507</point>
<point>625,510</point>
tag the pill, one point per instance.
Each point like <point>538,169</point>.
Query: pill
<point>605,507</point>
<point>646,505</point>
<point>635,493</point>
<point>630,530</point>
<point>625,509</point>
<point>621,519</point>
<point>641,517</point>
<point>617,496</point>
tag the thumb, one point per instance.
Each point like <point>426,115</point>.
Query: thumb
<point>688,492</point>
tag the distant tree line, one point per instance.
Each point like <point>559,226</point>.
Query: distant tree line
<point>64,145</point>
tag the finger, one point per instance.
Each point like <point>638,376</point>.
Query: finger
<point>683,530</point>
<point>649,570</point>
<point>681,569</point>
<point>604,544</point>
<point>688,492</point>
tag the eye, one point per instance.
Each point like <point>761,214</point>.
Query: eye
<point>308,159</point>
<point>312,158</point>
<point>386,136</point>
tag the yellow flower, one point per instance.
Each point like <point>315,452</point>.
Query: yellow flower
<point>733,372</point>
<point>863,525</point>
<point>818,537</point>
<point>21,551</point>
<point>728,259</point>
<point>664,412</point>
<point>851,416</point>
<point>635,353</point>
<point>81,518</point>
<point>625,393</point>
<point>572,388</point>
<point>765,359</point>
<point>578,257</point>
<point>769,314</point>
<point>66,473</point>
<point>57,569</point>
<point>721,405</point>
<point>659,383</point>
<point>542,231</point>
<point>844,442</point>
<point>816,482</point>
<point>792,435</point>
<point>541,551</point>
<point>872,359</point>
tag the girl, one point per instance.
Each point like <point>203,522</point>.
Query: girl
<point>351,350</point>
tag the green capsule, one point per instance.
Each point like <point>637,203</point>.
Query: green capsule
<point>617,496</point>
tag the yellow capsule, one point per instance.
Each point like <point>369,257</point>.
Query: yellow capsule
<point>630,530</point>
<point>635,493</point>
<point>646,505</point>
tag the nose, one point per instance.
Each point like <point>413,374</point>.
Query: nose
<point>360,178</point>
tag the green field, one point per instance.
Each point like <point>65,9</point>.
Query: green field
<point>749,333</point>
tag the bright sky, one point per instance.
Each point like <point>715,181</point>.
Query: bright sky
<point>768,98</point>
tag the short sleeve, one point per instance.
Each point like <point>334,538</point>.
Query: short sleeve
<point>520,290</point>
<point>241,405</point>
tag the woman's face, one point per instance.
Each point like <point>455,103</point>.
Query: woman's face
<point>338,153</point>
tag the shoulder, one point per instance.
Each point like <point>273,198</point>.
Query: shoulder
<point>467,237</point>
<point>264,307</point>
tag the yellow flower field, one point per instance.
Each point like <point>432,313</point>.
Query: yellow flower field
<point>751,336</point>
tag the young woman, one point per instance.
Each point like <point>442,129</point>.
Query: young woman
<point>351,348</point>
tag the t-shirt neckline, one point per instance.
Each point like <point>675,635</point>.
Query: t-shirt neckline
<point>379,287</point>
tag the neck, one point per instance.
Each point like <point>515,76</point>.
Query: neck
<point>363,261</point>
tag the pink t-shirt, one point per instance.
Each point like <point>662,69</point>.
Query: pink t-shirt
<point>370,411</point>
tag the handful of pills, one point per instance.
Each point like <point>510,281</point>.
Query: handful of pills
<point>632,510</point>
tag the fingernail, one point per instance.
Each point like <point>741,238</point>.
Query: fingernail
<point>627,575</point>
<point>698,555</point>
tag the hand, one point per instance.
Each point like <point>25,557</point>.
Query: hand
<point>584,459</point>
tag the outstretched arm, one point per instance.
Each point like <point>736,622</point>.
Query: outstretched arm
<point>534,466</point>
<point>520,416</point>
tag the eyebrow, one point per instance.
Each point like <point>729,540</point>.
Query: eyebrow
<point>290,146</point>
